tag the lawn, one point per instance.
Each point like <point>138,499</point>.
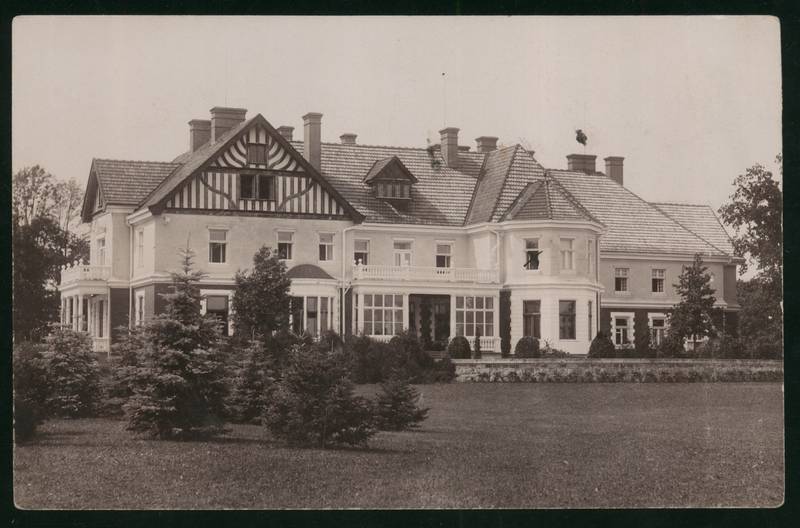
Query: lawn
<point>518,445</point>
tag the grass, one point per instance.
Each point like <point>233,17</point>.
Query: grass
<point>483,446</point>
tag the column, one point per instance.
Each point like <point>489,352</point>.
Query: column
<point>496,319</point>
<point>360,326</point>
<point>73,313</point>
<point>406,312</point>
<point>90,317</point>
<point>80,313</point>
<point>452,316</point>
<point>305,313</point>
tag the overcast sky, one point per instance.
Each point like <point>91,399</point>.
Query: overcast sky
<point>690,102</point>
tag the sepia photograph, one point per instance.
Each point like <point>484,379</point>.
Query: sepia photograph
<point>328,263</point>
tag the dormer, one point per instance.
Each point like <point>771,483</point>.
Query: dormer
<point>390,180</point>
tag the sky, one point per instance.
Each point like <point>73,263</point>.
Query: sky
<point>690,102</point>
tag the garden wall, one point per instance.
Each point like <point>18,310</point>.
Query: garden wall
<point>584,370</point>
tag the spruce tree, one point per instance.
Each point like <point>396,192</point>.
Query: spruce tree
<point>261,297</point>
<point>179,385</point>
<point>397,406</point>
<point>692,316</point>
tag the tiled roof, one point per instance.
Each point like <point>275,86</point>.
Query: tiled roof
<point>380,169</point>
<point>126,182</point>
<point>307,271</point>
<point>700,219</point>
<point>490,185</point>
<point>633,225</point>
<point>440,197</point>
<point>190,164</point>
<point>524,169</point>
<point>546,200</point>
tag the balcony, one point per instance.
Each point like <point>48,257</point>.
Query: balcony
<point>84,272</point>
<point>424,274</point>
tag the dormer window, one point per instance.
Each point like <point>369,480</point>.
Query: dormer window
<point>398,190</point>
<point>391,181</point>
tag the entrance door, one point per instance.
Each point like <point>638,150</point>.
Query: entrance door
<point>441,319</point>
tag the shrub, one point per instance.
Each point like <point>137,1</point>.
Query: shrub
<point>370,361</point>
<point>314,404</point>
<point>72,374</point>
<point>601,347</point>
<point>458,348</point>
<point>641,344</point>
<point>397,407</point>
<point>550,352</point>
<point>252,384</point>
<point>412,360</point>
<point>671,346</point>
<point>527,347</point>
<point>179,385</point>
<point>31,391</point>
<point>445,370</point>
<point>476,348</point>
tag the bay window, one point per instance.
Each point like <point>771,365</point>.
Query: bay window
<point>567,254</point>
<point>566,319</point>
<point>532,319</point>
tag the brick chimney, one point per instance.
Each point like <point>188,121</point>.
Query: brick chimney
<point>348,139</point>
<point>224,119</point>
<point>286,132</point>
<point>486,144</point>
<point>614,168</point>
<point>199,133</point>
<point>581,163</point>
<point>312,139</point>
<point>450,146</point>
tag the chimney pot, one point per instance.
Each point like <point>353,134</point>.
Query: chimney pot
<point>348,139</point>
<point>312,139</point>
<point>224,119</point>
<point>286,132</point>
<point>486,144</point>
<point>581,163</point>
<point>199,133</point>
<point>614,168</point>
<point>450,146</point>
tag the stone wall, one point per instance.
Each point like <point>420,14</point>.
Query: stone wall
<point>581,370</point>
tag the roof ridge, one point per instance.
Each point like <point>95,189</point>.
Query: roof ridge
<point>136,161</point>
<point>478,180</point>
<point>683,204</point>
<point>395,147</point>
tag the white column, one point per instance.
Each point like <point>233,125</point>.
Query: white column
<point>319,319</point>
<point>305,312</point>
<point>360,326</point>
<point>452,316</point>
<point>406,312</point>
<point>81,315</point>
<point>89,316</point>
<point>496,319</point>
<point>73,312</point>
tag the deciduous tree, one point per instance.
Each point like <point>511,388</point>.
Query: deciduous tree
<point>261,298</point>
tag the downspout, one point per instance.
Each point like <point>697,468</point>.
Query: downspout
<point>343,288</point>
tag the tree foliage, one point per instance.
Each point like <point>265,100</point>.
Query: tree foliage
<point>261,298</point>
<point>397,406</point>
<point>692,316</point>
<point>43,213</point>
<point>73,375</point>
<point>179,385</point>
<point>314,402</point>
<point>601,346</point>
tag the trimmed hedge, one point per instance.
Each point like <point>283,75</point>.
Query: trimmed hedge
<point>527,347</point>
<point>601,347</point>
<point>458,348</point>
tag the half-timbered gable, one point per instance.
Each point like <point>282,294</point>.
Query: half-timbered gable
<point>258,171</point>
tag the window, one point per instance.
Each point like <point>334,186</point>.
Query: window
<point>532,319</point>
<point>324,314</point>
<point>590,256</point>
<point>475,315</point>
<point>443,254</point>
<point>393,190</point>
<point>140,247</point>
<point>658,280</point>
<point>590,317</point>
<point>658,327</point>
<point>101,251</point>
<point>402,253</point>
<point>296,314</point>
<point>325,246</point>
<point>567,254</point>
<point>217,245</point>
<point>532,254</point>
<point>139,319</point>
<point>311,315</point>
<point>383,314</point>
<point>622,328</point>
<point>256,187</point>
<point>566,319</point>
<point>361,251</point>
<point>620,279</point>
<point>256,154</point>
<point>217,306</point>
<point>285,243</point>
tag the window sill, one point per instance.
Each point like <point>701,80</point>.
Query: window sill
<point>622,293</point>
<point>658,294</point>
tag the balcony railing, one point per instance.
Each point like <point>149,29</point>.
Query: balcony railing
<point>422,273</point>
<point>488,344</point>
<point>84,272</point>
